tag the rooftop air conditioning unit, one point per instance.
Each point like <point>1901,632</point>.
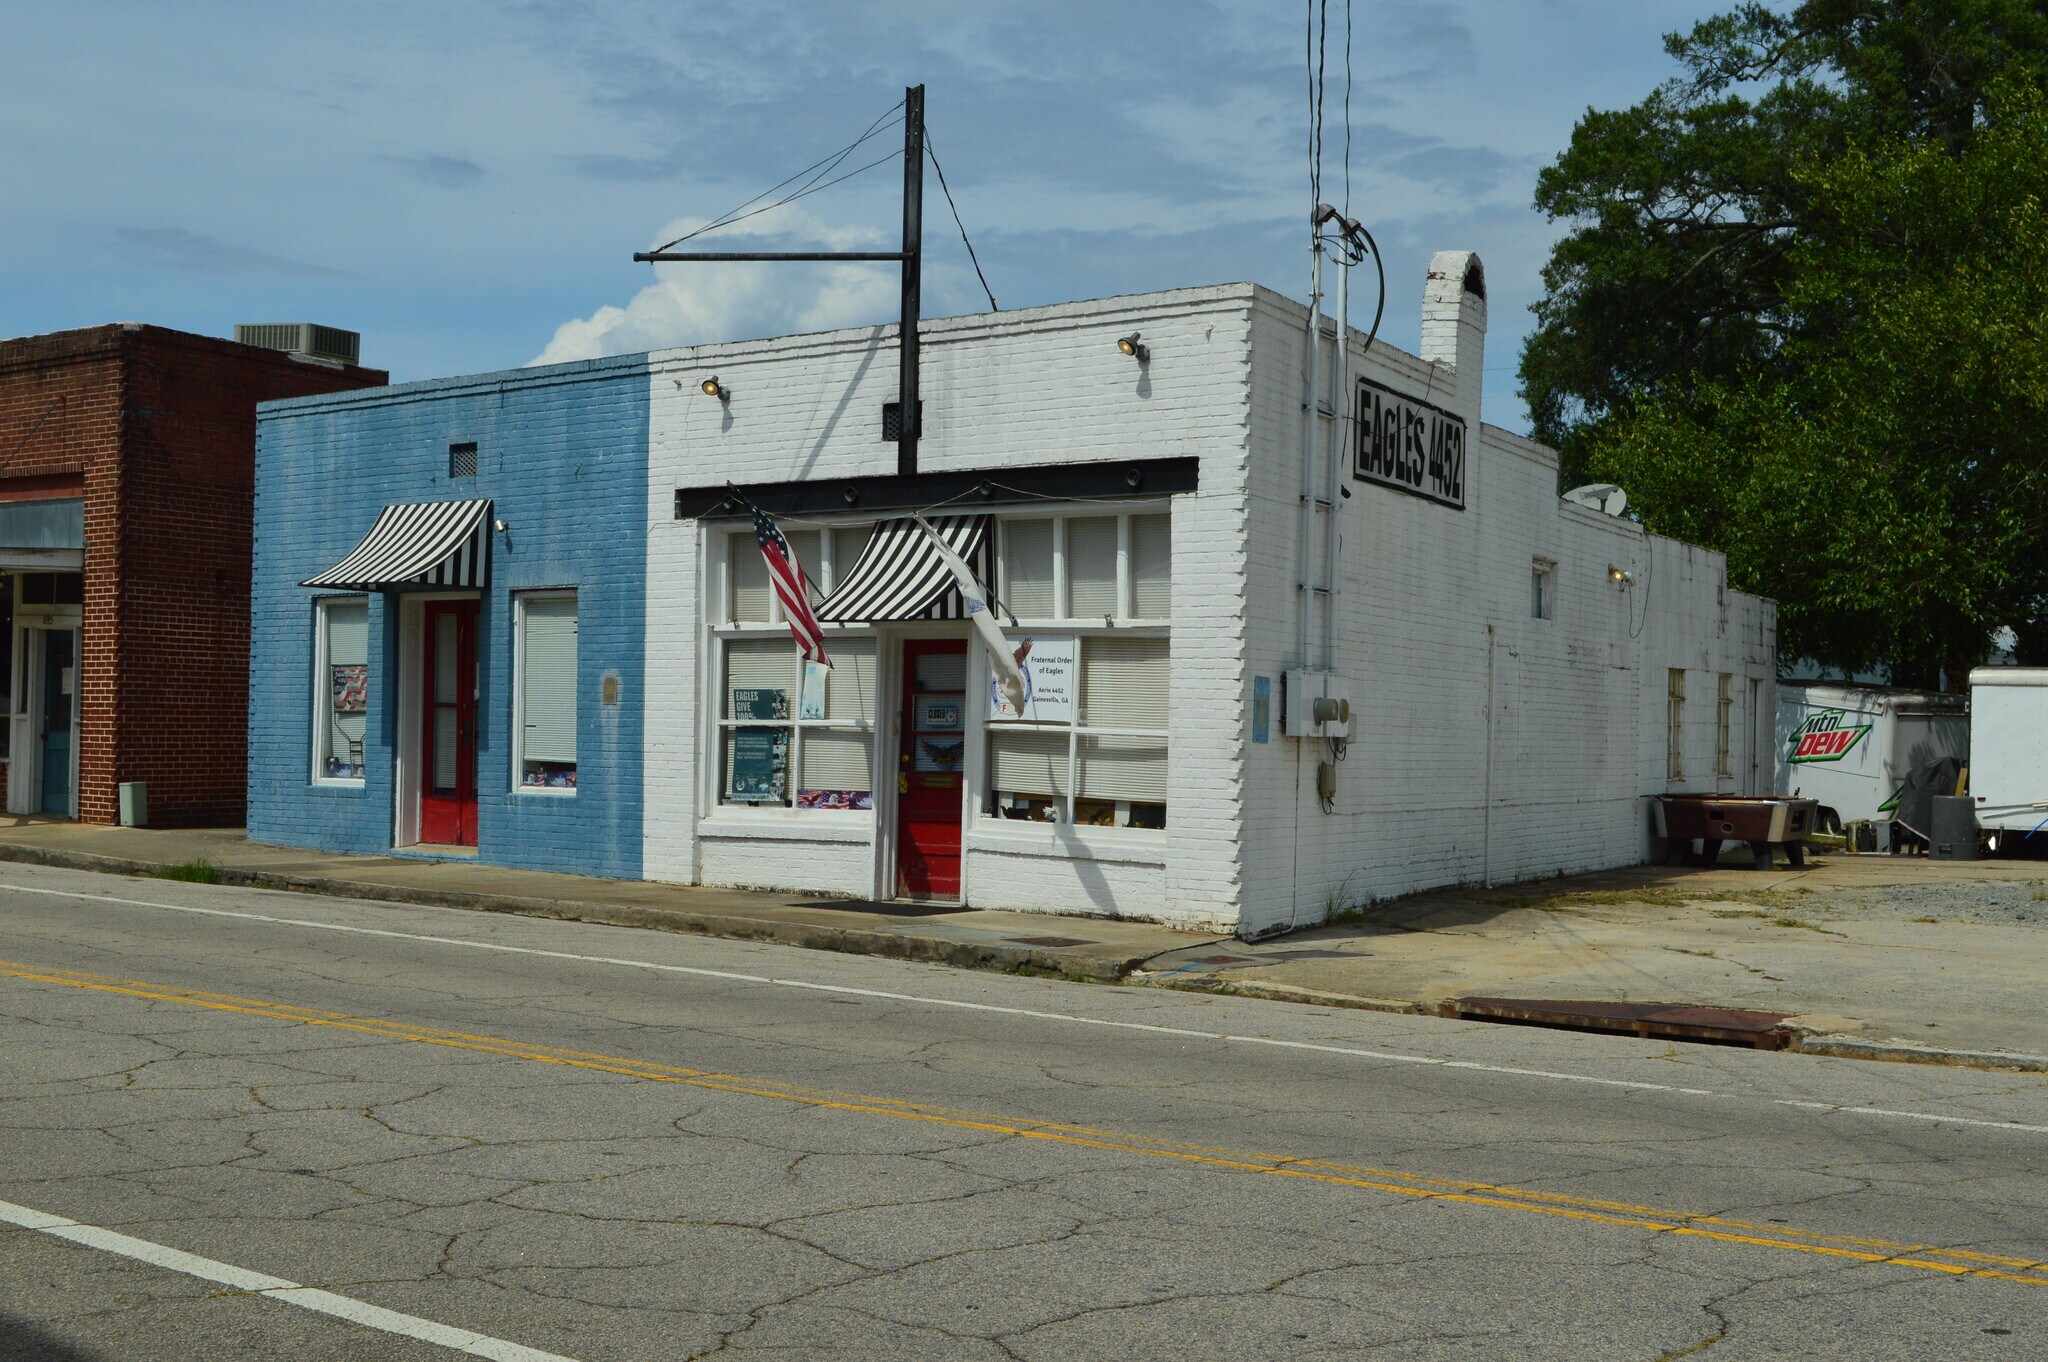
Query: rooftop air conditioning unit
<point>303,338</point>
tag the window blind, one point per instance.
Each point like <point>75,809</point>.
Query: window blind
<point>1091,567</point>
<point>1027,761</point>
<point>548,679</point>
<point>850,693</point>
<point>1125,683</point>
<point>751,593</point>
<point>348,645</point>
<point>807,545</point>
<point>1124,768</point>
<point>838,759</point>
<point>1027,569</point>
<point>941,672</point>
<point>348,633</point>
<point>760,664</point>
<point>1151,567</point>
<point>847,543</point>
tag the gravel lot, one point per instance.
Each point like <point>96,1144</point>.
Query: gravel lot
<point>2002,903</point>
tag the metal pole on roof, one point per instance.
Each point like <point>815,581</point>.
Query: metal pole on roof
<point>913,243</point>
<point>907,426</point>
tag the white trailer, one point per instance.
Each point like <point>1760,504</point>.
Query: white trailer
<point>2009,733</point>
<point>1852,747</point>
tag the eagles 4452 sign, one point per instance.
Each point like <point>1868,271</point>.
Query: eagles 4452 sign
<point>1407,444</point>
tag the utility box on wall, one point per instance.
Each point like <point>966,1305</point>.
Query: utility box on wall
<point>1315,705</point>
<point>134,804</point>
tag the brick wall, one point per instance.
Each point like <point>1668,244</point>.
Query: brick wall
<point>1487,745</point>
<point>1014,389</point>
<point>562,452</point>
<point>186,503</point>
<point>160,425</point>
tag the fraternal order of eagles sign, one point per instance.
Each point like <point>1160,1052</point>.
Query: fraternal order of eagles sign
<point>1409,445</point>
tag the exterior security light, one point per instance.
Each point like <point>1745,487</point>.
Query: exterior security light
<point>711,387</point>
<point>1620,576</point>
<point>1133,347</point>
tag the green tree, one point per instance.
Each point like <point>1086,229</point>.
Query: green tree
<point>1798,316</point>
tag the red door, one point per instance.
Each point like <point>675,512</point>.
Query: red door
<point>929,796</point>
<point>448,684</point>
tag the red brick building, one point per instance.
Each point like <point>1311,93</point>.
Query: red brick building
<point>127,488</point>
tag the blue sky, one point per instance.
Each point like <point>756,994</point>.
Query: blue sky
<point>465,182</point>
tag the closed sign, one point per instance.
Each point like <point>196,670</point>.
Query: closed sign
<point>1409,445</point>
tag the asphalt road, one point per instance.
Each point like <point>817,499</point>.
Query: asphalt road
<point>243,1125</point>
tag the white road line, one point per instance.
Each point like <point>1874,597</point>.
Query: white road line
<point>1074,1019</point>
<point>276,1288</point>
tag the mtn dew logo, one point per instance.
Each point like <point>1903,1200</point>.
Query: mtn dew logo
<point>1825,737</point>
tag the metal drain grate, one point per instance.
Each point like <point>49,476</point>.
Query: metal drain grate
<point>1654,1021</point>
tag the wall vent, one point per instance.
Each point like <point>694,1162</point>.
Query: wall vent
<point>303,338</point>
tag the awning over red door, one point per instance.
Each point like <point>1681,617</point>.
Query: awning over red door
<point>900,575</point>
<point>422,544</point>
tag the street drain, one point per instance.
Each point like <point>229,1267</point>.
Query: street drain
<point>1049,941</point>
<point>1652,1021</point>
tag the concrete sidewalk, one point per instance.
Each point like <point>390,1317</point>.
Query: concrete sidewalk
<point>1875,956</point>
<point>1099,949</point>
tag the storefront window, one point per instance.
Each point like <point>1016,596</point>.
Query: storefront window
<point>1087,567</point>
<point>792,733</point>
<point>545,734</point>
<point>827,556</point>
<point>1105,766</point>
<point>341,699</point>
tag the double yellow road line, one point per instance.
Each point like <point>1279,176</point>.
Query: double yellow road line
<point>1928,1257</point>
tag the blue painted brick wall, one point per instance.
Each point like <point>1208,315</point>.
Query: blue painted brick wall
<point>562,451</point>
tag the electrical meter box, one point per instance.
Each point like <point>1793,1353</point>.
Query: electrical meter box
<point>1316,705</point>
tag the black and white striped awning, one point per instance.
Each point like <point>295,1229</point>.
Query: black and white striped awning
<point>900,575</point>
<point>425,544</point>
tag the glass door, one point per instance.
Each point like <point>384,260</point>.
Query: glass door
<point>448,689</point>
<point>929,799</point>
<point>60,686</point>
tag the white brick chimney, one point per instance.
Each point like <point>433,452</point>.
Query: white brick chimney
<point>1454,323</point>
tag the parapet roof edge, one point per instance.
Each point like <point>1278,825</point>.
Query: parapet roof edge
<point>962,326</point>
<point>392,394</point>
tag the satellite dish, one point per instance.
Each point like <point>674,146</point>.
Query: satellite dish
<point>1604,497</point>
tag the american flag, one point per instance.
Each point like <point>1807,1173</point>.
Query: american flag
<point>792,588</point>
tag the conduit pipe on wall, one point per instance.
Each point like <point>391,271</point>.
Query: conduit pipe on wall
<point>1312,353</point>
<point>1340,404</point>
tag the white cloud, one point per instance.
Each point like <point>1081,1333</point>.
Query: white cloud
<point>696,304</point>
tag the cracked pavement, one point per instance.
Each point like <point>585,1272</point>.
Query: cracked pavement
<point>719,1157</point>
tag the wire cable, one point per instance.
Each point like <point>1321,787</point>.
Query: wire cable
<point>976,260</point>
<point>815,170</point>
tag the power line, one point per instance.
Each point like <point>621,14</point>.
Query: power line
<point>821,167</point>
<point>933,153</point>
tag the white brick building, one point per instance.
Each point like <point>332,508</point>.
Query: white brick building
<point>1522,671</point>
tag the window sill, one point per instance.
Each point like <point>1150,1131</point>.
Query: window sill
<point>343,785</point>
<point>1133,846</point>
<point>544,792</point>
<point>810,825</point>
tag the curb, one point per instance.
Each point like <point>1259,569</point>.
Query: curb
<point>1850,1047</point>
<point>1283,993</point>
<point>926,950</point>
<point>811,936</point>
<point>1822,1044</point>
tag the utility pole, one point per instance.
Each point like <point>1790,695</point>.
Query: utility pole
<point>913,240</point>
<point>913,245</point>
